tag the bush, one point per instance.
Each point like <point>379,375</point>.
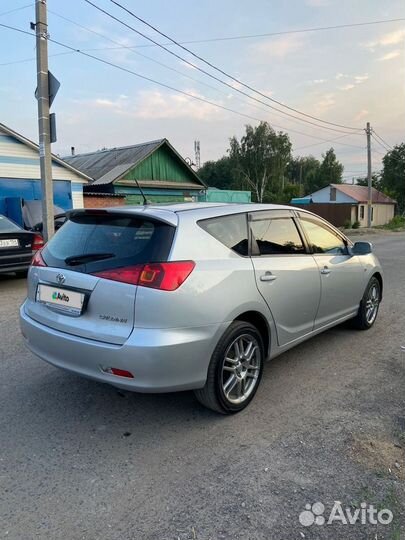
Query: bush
<point>347,224</point>
<point>397,222</point>
<point>356,225</point>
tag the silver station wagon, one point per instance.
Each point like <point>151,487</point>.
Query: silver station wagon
<point>192,296</point>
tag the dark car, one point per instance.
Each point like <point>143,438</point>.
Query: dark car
<point>17,247</point>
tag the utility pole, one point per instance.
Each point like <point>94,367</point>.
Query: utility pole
<point>370,193</point>
<point>45,159</point>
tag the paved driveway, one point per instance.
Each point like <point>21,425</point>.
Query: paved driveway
<point>79,460</point>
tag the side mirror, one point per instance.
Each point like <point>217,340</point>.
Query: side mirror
<point>361,248</point>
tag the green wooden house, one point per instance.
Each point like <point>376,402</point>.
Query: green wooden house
<point>162,173</point>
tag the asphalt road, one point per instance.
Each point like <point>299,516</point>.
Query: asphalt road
<point>78,460</point>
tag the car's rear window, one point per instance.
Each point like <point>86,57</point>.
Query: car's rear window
<point>95,242</point>
<point>7,226</point>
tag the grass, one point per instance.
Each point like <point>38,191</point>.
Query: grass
<point>397,223</point>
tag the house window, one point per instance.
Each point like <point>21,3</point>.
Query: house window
<point>361,212</point>
<point>372,213</point>
<point>333,194</point>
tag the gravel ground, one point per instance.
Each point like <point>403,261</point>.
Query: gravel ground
<point>79,460</point>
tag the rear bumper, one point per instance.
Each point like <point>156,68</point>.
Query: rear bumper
<point>14,263</point>
<point>161,360</point>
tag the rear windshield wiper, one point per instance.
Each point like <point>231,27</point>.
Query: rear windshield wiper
<point>88,257</point>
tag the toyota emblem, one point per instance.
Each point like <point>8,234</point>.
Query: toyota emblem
<point>60,279</point>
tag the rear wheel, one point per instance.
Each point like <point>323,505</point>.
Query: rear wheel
<point>369,306</point>
<point>235,370</point>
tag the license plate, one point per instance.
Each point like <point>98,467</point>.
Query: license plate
<point>62,299</point>
<point>9,242</point>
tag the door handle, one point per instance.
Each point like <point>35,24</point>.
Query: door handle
<point>268,276</point>
<point>325,271</point>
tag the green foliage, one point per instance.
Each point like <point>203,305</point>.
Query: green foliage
<point>356,225</point>
<point>396,223</point>
<point>347,224</point>
<point>219,174</point>
<point>375,182</point>
<point>393,174</point>
<point>330,171</point>
<point>304,171</point>
<point>317,174</point>
<point>261,158</point>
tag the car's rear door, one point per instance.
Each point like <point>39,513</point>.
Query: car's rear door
<point>87,285</point>
<point>342,274</point>
<point>287,276</point>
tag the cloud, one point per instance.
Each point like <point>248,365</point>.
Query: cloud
<point>278,47</point>
<point>325,103</point>
<point>318,81</point>
<point>155,105</point>
<point>339,76</point>
<point>392,38</point>
<point>347,87</point>
<point>361,115</point>
<point>390,56</point>
<point>359,79</point>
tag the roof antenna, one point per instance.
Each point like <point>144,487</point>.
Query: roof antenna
<point>144,199</point>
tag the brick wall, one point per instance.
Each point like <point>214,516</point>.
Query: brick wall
<point>92,201</point>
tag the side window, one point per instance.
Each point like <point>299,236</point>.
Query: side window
<point>322,239</point>
<point>277,236</point>
<point>229,230</point>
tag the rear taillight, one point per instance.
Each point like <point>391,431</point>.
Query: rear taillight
<point>37,259</point>
<point>167,276</point>
<point>38,242</point>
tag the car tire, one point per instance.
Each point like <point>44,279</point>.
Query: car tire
<point>21,273</point>
<point>232,378</point>
<point>369,305</point>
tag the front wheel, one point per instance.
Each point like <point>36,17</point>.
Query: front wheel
<point>369,305</point>
<point>235,370</point>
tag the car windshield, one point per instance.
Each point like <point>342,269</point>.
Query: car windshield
<point>7,226</point>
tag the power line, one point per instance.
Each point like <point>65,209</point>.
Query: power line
<point>336,139</point>
<point>192,96</point>
<point>380,143</point>
<point>131,49</point>
<point>381,139</point>
<point>233,88</point>
<point>282,33</point>
<point>17,9</point>
<point>217,68</point>
<point>164,85</point>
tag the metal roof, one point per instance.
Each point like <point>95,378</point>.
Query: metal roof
<point>100,163</point>
<point>360,194</point>
<point>106,166</point>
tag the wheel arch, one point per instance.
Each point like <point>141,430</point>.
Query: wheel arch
<point>259,321</point>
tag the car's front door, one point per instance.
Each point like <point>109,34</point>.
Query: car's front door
<point>342,275</point>
<point>287,276</point>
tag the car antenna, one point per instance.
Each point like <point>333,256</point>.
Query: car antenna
<point>145,201</point>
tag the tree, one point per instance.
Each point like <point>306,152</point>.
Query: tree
<point>393,174</point>
<point>261,158</point>
<point>375,181</point>
<point>330,171</point>
<point>304,172</point>
<point>219,174</point>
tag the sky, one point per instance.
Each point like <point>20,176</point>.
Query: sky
<point>347,76</point>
